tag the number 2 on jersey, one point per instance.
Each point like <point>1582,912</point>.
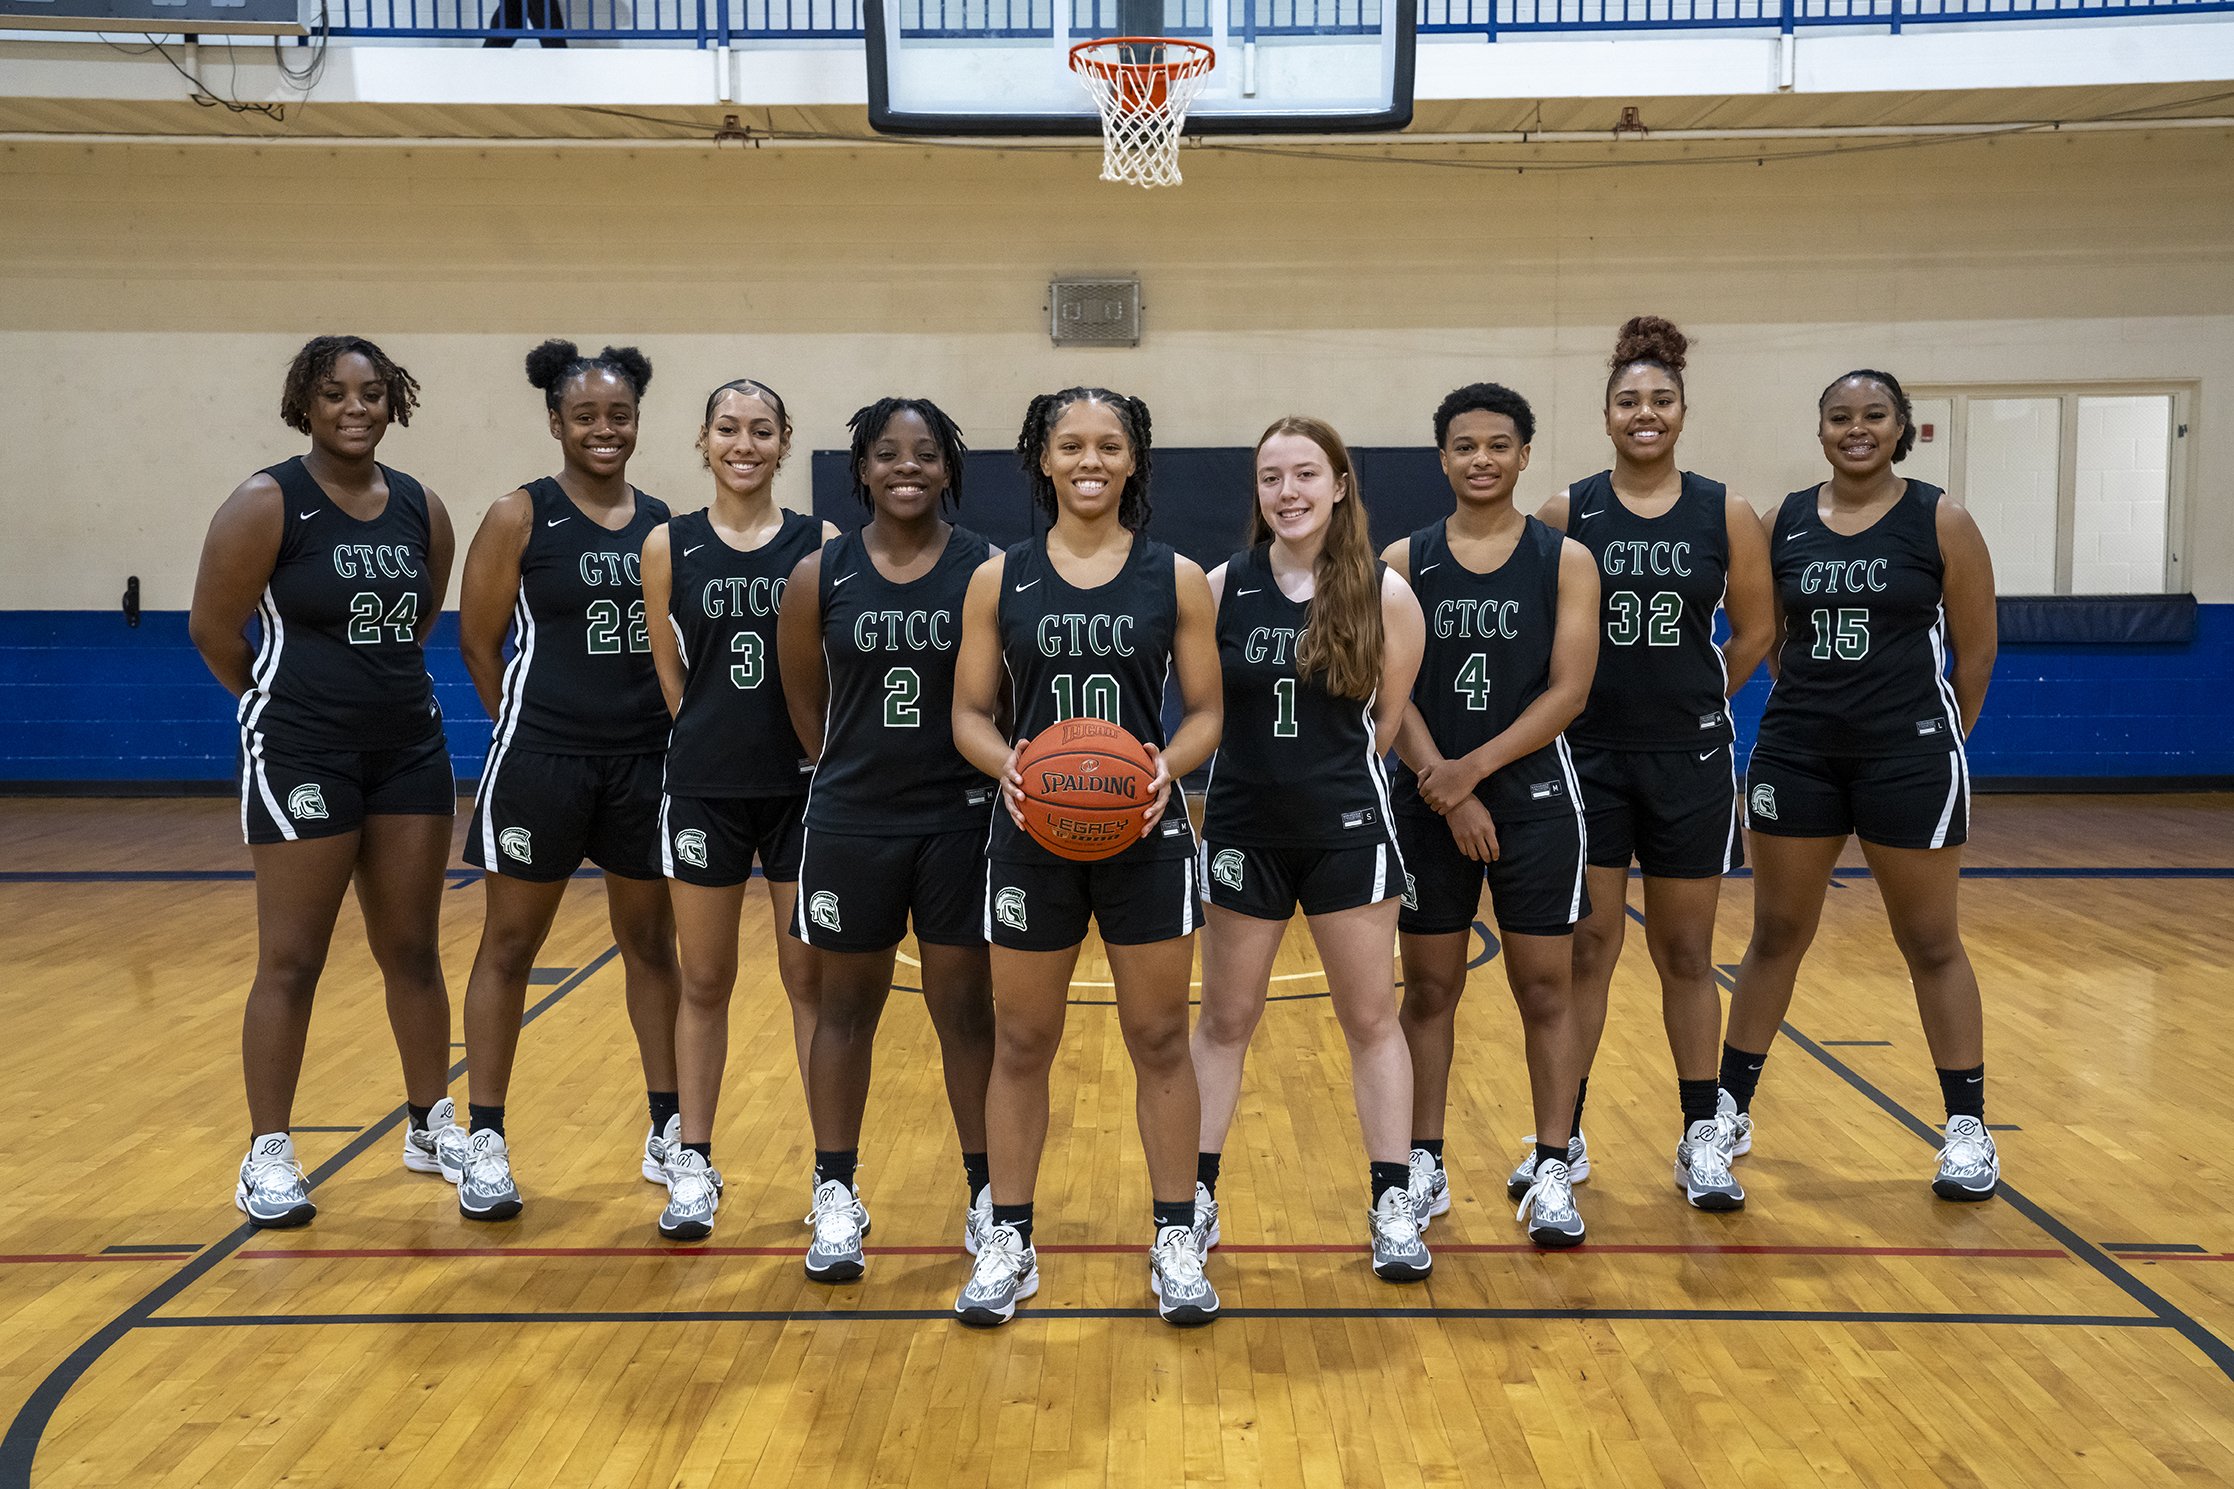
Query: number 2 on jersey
<point>1628,621</point>
<point>365,619</point>
<point>902,686</point>
<point>1101,697</point>
<point>604,632</point>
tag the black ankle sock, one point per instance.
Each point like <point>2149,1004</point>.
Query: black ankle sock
<point>835,1163</point>
<point>1697,1099</point>
<point>1964,1091</point>
<point>703,1150</point>
<point>1019,1216</point>
<point>1741,1072</point>
<point>1431,1146</point>
<point>418,1116</point>
<point>478,1116</point>
<point>977,1172</point>
<point>1546,1153</point>
<point>1175,1212</point>
<point>1580,1092</point>
<point>664,1104</point>
<point>1387,1176</point>
<point>1206,1171</point>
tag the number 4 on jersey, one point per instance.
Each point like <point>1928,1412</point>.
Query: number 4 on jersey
<point>366,621</point>
<point>1473,681</point>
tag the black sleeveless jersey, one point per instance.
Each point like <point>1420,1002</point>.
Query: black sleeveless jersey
<point>339,663</point>
<point>889,766</point>
<point>733,735</point>
<point>1489,639</point>
<point>1295,766</point>
<point>1100,653</point>
<point>580,681</point>
<point>1863,670</point>
<point>1660,683</point>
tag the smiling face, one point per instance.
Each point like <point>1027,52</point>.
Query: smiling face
<point>1859,426</point>
<point>1483,457</point>
<point>595,422</point>
<point>1297,489</point>
<point>904,468</point>
<point>1089,458</point>
<point>1644,413</point>
<point>348,409</point>
<point>744,441</point>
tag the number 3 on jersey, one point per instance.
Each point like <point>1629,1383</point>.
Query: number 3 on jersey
<point>1628,624</point>
<point>1101,698</point>
<point>749,672</point>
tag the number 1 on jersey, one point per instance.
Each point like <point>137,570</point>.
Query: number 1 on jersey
<point>1849,642</point>
<point>1101,697</point>
<point>1283,722</point>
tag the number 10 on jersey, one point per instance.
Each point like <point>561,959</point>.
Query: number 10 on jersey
<point>1101,697</point>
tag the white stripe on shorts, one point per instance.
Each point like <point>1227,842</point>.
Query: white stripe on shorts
<point>1380,873</point>
<point>1954,789</point>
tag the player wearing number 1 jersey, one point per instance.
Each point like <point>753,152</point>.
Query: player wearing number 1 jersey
<point>574,764</point>
<point>1877,580</point>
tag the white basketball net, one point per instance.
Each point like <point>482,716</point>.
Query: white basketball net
<point>1143,104</point>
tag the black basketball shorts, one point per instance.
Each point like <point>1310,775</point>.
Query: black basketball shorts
<point>1894,801</point>
<point>291,792</point>
<point>1045,907</point>
<point>1674,812</point>
<point>1535,883</point>
<point>538,816</point>
<point>712,840</point>
<point>1269,883</point>
<point>857,893</point>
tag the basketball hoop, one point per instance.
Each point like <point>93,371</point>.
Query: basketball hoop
<point>1142,85</point>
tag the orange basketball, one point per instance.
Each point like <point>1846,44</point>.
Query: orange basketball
<point>1085,788</point>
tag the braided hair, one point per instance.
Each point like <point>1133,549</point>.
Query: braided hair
<point>315,363</point>
<point>1907,440</point>
<point>1040,420</point>
<point>870,422</point>
<point>556,363</point>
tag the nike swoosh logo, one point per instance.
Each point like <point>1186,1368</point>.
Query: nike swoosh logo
<point>836,582</point>
<point>1709,755</point>
<point>1248,591</point>
<point>693,548</point>
<point>306,516</point>
<point>1589,514</point>
<point>555,521</point>
<point>1022,587</point>
<point>1425,567</point>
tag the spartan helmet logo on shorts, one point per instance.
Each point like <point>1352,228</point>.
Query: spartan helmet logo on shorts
<point>690,847</point>
<point>306,801</point>
<point>1226,868</point>
<point>1764,801</point>
<point>822,909</point>
<point>514,842</point>
<point>1411,892</point>
<point>1008,908</point>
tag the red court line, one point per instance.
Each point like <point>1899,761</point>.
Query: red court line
<point>1446,1249</point>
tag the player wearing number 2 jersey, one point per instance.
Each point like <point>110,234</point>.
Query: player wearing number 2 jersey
<point>574,764</point>
<point>1877,579</point>
<point>1088,619</point>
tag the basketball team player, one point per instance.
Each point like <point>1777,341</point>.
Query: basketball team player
<point>896,825</point>
<point>1488,791</point>
<point>1877,579</point>
<point>574,764</point>
<point>344,772</point>
<point>1653,746</point>
<point>1318,643</point>
<point>1088,619</point>
<point>736,777</point>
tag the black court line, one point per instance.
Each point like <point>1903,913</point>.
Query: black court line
<point>196,1246</point>
<point>21,1445</point>
<point>330,1129</point>
<point>2156,1248</point>
<point>1830,1043</point>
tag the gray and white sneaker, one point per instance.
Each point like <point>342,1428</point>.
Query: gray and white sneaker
<point>1430,1187</point>
<point>1206,1220</point>
<point>1737,1126</point>
<point>1183,1295</point>
<point>1702,1170</point>
<point>438,1147</point>
<point>658,1143</point>
<point>1549,1208</point>
<point>835,1254</point>
<point>863,1210</point>
<point>1969,1168</point>
<point>1399,1255</point>
<point>1007,1272</point>
<point>975,1224</point>
<point>486,1191</point>
<point>1578,1165</point>
<point>693,1195</point>
<point>271,1190</point>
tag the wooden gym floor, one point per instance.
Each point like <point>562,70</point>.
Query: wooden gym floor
<point>1845,1328</point>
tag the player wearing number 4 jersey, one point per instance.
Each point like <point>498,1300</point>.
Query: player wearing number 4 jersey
<point>574,763</point>
<point>1877,579</point>
<point>736,776</point>
<point>343,771</point>
<point>896,825</point>
<point>1653,746</point>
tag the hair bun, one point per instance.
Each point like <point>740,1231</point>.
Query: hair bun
<point>547,364</point>
<point>634,365</point>
<point>1650,338</point>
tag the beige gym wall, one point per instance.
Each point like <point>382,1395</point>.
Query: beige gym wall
<point>150,296</point>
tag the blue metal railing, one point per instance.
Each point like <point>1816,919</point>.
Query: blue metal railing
<point>727,22</point>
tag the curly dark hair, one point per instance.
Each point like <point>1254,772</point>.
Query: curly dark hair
<point>556,363</point>
<point>1491,398</point>
<point>1907,440</point>
<point>1040,419</point>
<point>870,422</point>
<point>1653,341</point>
<point>315,363</point>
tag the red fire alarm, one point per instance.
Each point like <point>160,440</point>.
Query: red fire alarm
<point>1924,433</point>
